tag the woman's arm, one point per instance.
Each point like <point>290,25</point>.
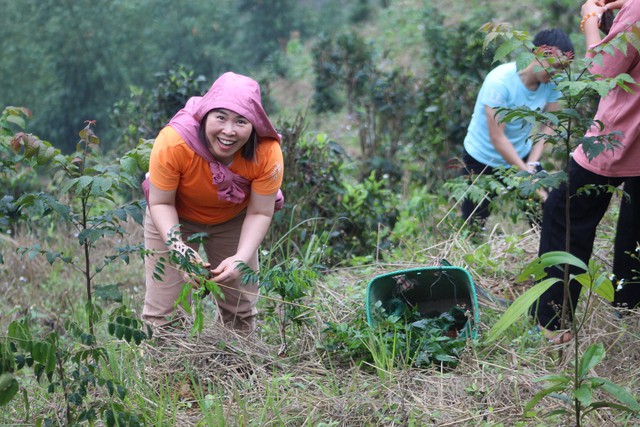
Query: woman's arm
<point>590,12</point>
<point>163,210</point>
<point>254,228</point>
<point>165,217</point>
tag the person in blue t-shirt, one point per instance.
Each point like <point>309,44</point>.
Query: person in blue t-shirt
<point>491,143</point>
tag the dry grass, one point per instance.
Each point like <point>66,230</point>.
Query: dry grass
<point>490,386</point>
<point>487,387</point>
<point>255,384</point>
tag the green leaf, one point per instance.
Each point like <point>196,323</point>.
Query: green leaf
<point>68,184</point>
<point>518,308</point>
<point>92,235</point>
<point>605,404</point>
<point>83,183</point>
<point>138,336</point>
<point>591,357</point>
<point>555,379</point>
<point>9,388</point>
<point>120,213</point>
<point>101,186</point>
<point>17,120</point>
<point>523,60</point>
<point>620,393</point>
<point>122,392</point>
<point>505,49</point>
<point>136,212</point>
<point>75,399</point>
<point>542,394</point>
<point>52,359</point>
<point>129,165</point>
<point>40,352</point>
<point>583,394</point>
<point>602,286</point>
<point>20,333</point>
<point>535,270</point>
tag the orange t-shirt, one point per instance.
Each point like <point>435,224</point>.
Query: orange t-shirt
<point>175,166</point>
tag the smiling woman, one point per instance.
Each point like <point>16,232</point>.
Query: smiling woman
<point>211,173</point>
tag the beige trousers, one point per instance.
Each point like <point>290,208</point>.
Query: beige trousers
<point>238,308</point>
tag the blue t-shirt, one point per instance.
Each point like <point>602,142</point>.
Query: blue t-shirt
<point>503,88</point>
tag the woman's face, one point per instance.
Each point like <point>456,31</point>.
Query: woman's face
<point>226,132</point>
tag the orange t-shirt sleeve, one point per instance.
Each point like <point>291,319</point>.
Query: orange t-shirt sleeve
<point>169,158</point>
<point>272,169</point>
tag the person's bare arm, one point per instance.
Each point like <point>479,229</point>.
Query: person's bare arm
<point>163,210</point>
<point>254,228</point>
<point>500,141</point>
<point>589,25</point>
<point>538,148</point>
<point>165,217</point>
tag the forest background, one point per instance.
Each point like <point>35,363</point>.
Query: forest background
<point>373,98</point>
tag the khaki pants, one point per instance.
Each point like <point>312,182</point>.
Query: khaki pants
<point>238,308</point>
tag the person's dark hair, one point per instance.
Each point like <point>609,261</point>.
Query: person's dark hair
<point>554,37</point>
<point>248,151</point>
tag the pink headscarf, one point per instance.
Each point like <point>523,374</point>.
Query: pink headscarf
<point>231,91</point>
<point>241,95</point>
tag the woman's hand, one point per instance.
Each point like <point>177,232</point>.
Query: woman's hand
<point>613,5</point>
<point>592,7</point>
<point>227,273</point>
<point>599,6</point>
<point>189,275</point>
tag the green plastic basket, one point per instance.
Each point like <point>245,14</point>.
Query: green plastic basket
<point>434,290</point>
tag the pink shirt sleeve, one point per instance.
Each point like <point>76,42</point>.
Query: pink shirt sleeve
<point>619,110</point>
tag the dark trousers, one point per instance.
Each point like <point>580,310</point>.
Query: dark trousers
<point>478,213</point>
<point>586,211</point>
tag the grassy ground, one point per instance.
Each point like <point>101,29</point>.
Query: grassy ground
<point>218,378</point>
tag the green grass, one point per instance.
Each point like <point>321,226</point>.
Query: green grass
<point>218,379</point>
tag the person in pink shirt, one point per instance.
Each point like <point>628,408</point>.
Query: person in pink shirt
<point>618,111</point>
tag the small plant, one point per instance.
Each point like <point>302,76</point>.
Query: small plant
<point>401,337</point>
<point>287,284</point>
<point>87,191</point>
<point>577,87</point>
<point>366,206</point>
<point>580,392</point>
<point>17,174</point>
<point>73,367</point>
<point>194,291</point>
<point>144,113</point>
<point>508,191</point>
<point>579,389</point>
<point>70,359</point>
